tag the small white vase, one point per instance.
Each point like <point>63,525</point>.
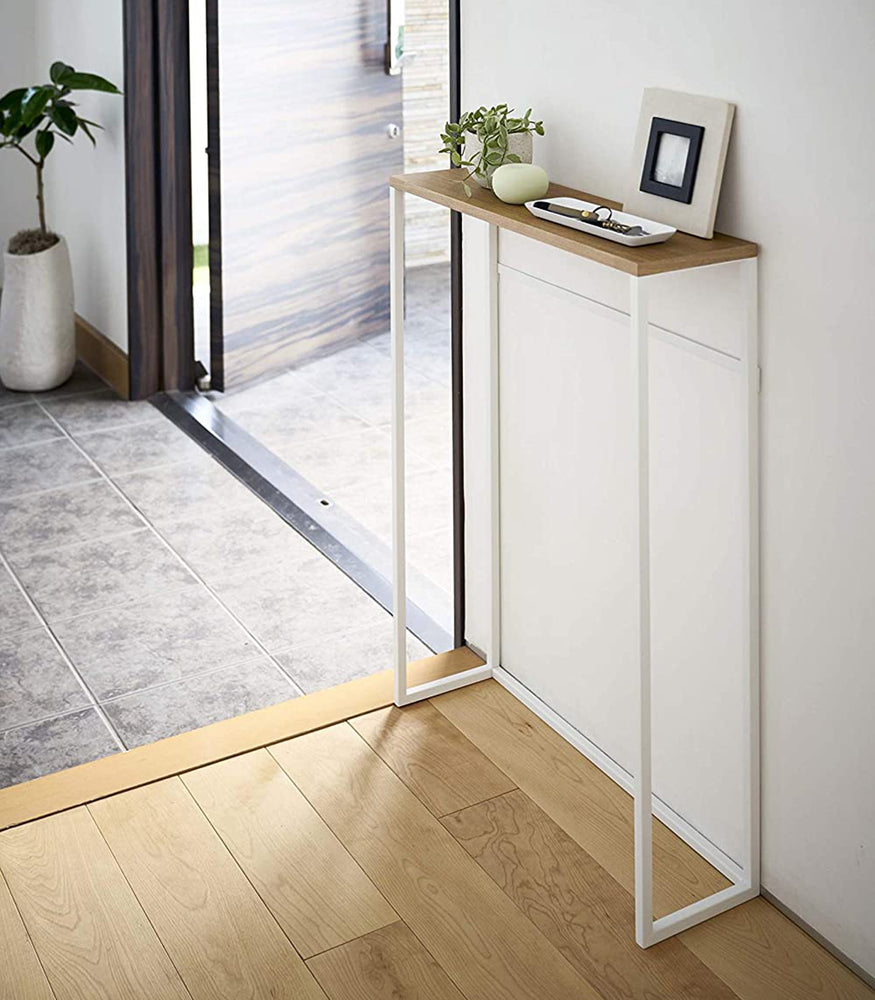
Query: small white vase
<point>37,322</point>
<point>517,142</point>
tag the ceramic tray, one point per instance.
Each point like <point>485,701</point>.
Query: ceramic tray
<point>656,231</point>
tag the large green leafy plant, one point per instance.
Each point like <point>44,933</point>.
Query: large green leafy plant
<point>32,117</point>
<point>492,126</point>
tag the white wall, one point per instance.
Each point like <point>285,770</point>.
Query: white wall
<point>85,188</point>
<point>18,208</point>
<point>803,77</point>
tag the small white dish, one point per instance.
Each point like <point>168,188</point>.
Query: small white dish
<point>656,231</point>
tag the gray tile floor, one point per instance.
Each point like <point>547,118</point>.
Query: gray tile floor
<point>144,591</point>
<point>329,419</point>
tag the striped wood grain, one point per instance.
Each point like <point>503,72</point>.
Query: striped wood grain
<point>437,763</point>
<point>583,800</point>
<point>21,975</point>
<point>89,931</point>
<point>753,948</point>
<point>213,924</point>
<point>388,964</point>
<point>481,940</point>
<point>305,102</point>
<point>317,893</point>
<point>573,901</point>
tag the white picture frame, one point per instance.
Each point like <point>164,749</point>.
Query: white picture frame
<point>714,117</point>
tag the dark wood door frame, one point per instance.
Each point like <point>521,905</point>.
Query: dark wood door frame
<point>158,179</point>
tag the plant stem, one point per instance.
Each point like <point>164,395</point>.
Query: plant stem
<point>40,195</point>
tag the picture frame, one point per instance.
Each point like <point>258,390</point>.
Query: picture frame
<point>678,159</point>
<point>670,168</point>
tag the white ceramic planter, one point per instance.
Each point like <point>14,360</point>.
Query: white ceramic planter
<point>37,324</point>
<point>517,142</point>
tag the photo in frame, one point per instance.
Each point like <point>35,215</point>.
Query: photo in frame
<point>678,160</point>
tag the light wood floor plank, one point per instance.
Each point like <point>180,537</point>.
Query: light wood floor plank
<point>482,941</point>
<point>318,894</point>
<point>757,951</point>
<point>388,964</point>
<point>583,800</point>
<point>436,762</point>
<point>763,955</point>
<point>573,901</point>
<point>91,935</point>
<point>213,924</point>
<point>21,975</point>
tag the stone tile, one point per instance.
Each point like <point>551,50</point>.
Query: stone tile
<point>44,747</point>
<point>42,466</point>
<point>197,701</point>
<point>360,378</point>
<point>37,682</point>
<point>25,424</point>
<point>429,503</point>
<point>100,574</point>
<point>82,380</point>
<point>429,439</point>
<point>195,488</point>
<point>331,464</point>
<point>139,446</point>
<point>432,555</point>
<point>63,517</point>
<point>226,543</point>
<point>94,411</point>
<point>16,615</point>
<point>336,659</point>
<point>160,639</point>
<point>9,397</point>
<point>274,418</point>
<point>288,608</point>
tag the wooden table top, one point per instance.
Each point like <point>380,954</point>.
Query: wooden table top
<point>678,253</point>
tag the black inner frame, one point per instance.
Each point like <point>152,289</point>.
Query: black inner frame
<point>159,255</point>
<point>658,128</point>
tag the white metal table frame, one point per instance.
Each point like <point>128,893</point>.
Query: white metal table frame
<point>747,884</point>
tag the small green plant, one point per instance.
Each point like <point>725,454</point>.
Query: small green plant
<point>492,126</point>
<point>43,112</point>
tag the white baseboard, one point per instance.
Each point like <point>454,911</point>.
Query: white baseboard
<point>673,820</point>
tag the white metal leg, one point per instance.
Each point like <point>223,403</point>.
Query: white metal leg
<point>648,931</point>
<point>403,694</point>
<point>399,548</point>
<point>751,722</point>
<point>643,789</point>
<point>493,653</point>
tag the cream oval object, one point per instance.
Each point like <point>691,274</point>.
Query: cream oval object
<point>37,323</point>
<point>517,183</point>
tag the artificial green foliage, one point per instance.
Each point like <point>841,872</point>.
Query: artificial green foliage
<point>492,126</point>
<point>40,114</point>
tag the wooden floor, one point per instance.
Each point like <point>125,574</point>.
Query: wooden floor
<point>454,849</point>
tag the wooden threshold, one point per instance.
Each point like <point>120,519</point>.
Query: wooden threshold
<point>97,779</point>
<point>682,251</point>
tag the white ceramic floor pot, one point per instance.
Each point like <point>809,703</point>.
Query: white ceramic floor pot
<point>37,324</point>
<point>517,142</point>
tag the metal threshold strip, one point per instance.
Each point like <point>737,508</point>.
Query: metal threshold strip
<point>358,553</point>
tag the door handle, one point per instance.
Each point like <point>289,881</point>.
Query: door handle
<point>395,42</point>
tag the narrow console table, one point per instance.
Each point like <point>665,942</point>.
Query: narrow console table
<point>644,266</point>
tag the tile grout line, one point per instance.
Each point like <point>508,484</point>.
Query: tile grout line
<point>55,641</point>
<point>151,527</point>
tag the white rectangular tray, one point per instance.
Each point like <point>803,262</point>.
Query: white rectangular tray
<point>656,231</point>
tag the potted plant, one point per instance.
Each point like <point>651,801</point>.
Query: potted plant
<point>484,139</point>
<point>37,331</point>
